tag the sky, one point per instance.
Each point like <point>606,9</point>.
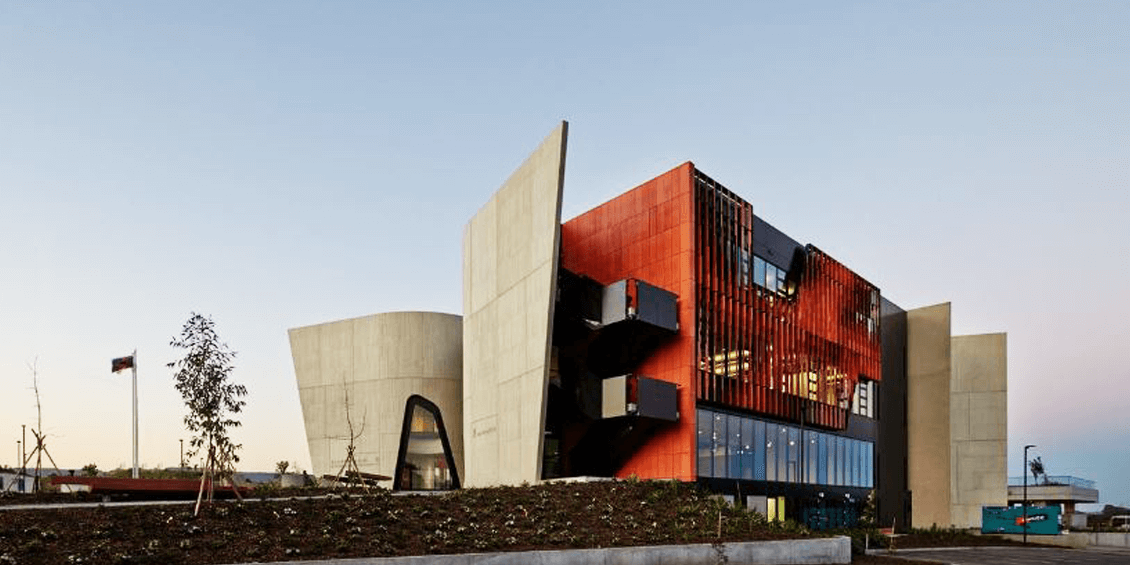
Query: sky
<point>280,164</point>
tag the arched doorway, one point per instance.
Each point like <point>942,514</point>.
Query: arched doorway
<point>424,461</point>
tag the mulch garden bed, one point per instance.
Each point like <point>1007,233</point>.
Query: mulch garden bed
<point>551,516</point>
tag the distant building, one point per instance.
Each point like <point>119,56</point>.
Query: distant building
<point>668,333</point>
<point>16,483</point>
<point>1056,490</point>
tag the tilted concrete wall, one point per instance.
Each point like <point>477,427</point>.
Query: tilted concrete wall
<point>957,420</point>
<point>379,361</point>
<point>978,426</point>
<point>928,374</point>
<point>510,257</point>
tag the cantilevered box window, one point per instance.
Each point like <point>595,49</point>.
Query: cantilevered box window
<point>424,461</point>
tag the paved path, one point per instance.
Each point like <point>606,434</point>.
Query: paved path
<point>1021,555</point>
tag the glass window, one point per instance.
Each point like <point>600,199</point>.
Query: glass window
<point>831,441</point>
<point>782,284</point>
<point>425,461</point>
<point>771,448</point>
<point>863,400</point>
<point>758,271</point>
<point>734,446</point>
<point>862,473</point>
<point>833,453</point>
<point>794,454</point>
<point>705,449</point>
<point>873,399</point>
<point>782,453</point>
<point>841,461</point>
<point>823,462</point>
<point>719,442</point>
<point>744,273</point>
<point>868,464</point>
<point>860,479</point>
<point>759,450</point>
<point>770,277</point>
<point>747,448</point>
<point>871,465</point>
<point>853,463</point>
<point>810,457</point>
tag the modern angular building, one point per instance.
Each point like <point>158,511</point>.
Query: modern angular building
<point>670,333</point>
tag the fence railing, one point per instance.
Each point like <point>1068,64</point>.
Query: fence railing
<point>1053,480</point>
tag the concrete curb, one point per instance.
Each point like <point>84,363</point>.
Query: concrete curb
<point>800,552</point>
<point>1072,540</point>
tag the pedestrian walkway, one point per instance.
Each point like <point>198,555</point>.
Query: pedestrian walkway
<point>1017,555</point>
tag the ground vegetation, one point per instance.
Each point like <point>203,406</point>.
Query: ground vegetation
<point>341,523</point>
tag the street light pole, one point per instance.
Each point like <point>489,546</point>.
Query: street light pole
<point>1025,470</point>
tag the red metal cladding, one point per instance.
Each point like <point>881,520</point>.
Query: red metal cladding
<point>781,354</point>
<point>646,234</point>
<point>794,353</point>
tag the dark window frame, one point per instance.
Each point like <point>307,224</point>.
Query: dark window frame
<point>405,431</point>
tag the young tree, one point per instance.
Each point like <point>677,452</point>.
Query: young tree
<point>1037,467</point>
<point>203,380</point>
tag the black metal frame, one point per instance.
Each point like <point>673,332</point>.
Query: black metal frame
<point>405,430</point>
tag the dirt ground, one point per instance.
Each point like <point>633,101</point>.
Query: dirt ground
<point>552,516</point>
<point>557,516</point>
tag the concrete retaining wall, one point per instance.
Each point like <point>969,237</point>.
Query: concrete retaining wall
<point>1111,539</point>
<point>826,550</point>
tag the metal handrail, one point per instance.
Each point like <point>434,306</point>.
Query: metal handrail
<point>1054,480</point>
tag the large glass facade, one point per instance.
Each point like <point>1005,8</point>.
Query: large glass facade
<point>738,447</point>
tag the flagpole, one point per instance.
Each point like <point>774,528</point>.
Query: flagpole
<point>136,471</point>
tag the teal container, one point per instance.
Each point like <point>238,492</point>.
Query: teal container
<point>1010,520</point>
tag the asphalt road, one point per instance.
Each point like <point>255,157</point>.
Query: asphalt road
<point>1021,556</point>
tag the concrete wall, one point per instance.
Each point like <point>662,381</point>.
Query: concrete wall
<point>380,361</point>
<point>510,257</point>
<point>928,373</point>
<point>890,450</point>
<point>1109,539</point>
<point>807,551</point>
<point>978,426</point>
<point>957,425</point>
<point>1053,494</point>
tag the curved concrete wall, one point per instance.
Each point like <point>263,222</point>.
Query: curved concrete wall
<point>377,361</point>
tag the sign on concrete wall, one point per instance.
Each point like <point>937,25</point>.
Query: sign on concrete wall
<point>1010,520</point>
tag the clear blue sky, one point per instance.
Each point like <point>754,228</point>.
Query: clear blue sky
<point>278,164</point>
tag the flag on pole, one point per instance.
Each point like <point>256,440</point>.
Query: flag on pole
<point>121,364</point>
